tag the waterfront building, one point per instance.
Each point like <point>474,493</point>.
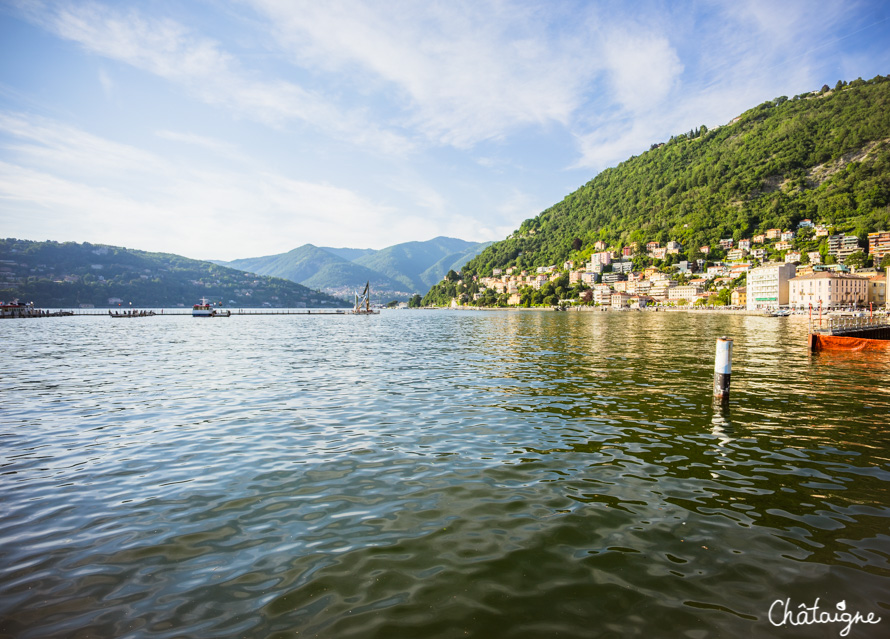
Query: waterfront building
<point>739,297</point>
<point>661,289</point>
<point>878,246</point>
<point>620,300</point>
<point>590,278</point>
<point>641,301</point>
<point>768,286</point>
<point>877,289</point>
<point>831,290</point>
<point>688,293</point>
<point>602,294</point>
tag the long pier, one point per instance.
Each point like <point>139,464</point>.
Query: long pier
<point>147,312</point>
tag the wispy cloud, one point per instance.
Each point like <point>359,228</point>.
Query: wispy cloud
<point>200,65</point>
<point>219,147</point>
<point>108,187</point>
<point>466,71</point>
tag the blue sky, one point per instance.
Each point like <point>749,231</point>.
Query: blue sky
<point>237,128</point>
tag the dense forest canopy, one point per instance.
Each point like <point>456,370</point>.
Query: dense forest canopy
<point>823,156</point>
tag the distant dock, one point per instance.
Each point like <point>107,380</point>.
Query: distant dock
<point>166,312</point>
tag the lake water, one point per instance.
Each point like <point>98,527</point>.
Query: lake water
<point>438,474</point>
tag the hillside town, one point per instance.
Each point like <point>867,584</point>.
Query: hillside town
<point>770,271</point>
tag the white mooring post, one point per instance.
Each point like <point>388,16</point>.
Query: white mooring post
<point>722,368</point>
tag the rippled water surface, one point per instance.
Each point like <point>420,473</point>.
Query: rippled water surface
<point>437,474</point>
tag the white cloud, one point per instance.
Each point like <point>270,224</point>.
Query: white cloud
<point>643,68</point>
<point>169,50</point>
<point>106,82</point>
<point>82,186</point>
<point>219,147</point>
<point>466,71</point>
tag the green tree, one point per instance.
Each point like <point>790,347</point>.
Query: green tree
<point>855,260</point>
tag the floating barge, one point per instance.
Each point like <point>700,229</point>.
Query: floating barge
<point>852,334</point>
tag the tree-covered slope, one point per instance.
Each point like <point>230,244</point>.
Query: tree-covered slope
<point>297,265</point>
<point>452,262</point>
<point>823,156</point>
<point>407,262</point>
<point>69,274</point>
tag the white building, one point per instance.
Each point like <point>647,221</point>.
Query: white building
<point>602,294</point>
<point>688,293</point>
<point>767,286</point>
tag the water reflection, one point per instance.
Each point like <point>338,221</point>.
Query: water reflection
<point>436,474</point>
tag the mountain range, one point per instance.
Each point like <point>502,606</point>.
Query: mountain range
<point>68,274</point>
<point>395,273</point>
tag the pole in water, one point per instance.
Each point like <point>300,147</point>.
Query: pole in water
<point>722,368</point>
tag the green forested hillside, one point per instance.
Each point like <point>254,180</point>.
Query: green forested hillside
<point>407,262</point>
<point>823,156</point>
<point>53,274</point>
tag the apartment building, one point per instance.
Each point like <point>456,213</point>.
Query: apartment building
<point>767,286</point>
<point>878,246</point>
<point>842,246</point>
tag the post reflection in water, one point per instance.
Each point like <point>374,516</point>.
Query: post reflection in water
<point>502,474</point>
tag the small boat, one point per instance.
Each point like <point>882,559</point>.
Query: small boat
<point>204,309</point>
<point>362,304</point>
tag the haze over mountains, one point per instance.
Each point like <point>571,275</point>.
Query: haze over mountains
<point>396,272</point>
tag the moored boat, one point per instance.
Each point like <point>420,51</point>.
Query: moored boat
<point>205,309</point>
